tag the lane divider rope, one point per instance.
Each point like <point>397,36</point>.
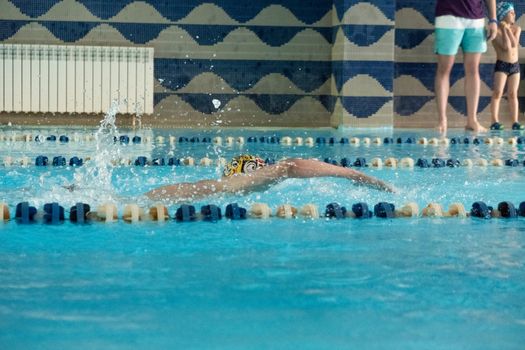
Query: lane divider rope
<point>54,213</point>
<point>285,140</point>
<point>359,162</point>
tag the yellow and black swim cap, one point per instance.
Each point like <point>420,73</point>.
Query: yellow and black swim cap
<point>245,163</point>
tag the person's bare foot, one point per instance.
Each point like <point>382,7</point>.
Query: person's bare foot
<point>442,127</point>
<point>475,126</point>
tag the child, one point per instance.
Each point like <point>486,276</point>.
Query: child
<point>507,69</point>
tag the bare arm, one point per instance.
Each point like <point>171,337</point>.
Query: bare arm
<point>491,11</point>
<point>239,183</point>
<point>306,168</point>
<point>512,41</point>
<point>514,36</point>
<point>506,42</point>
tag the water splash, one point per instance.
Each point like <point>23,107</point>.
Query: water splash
<point>93,181</point>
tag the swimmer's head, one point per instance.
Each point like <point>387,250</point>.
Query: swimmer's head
<point>245,163</point>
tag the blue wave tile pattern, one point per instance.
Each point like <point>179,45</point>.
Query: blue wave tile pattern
<point>159,96</point>
<point>10,28</point>
<point>382,71</point>
<point>274,104</point>
<point>139,33</point>
<point>410,38</point>
<point>242,75</point>
<point>426,8</point>
<point>204,102</point>
<point>142,33</point>
<point>364,35</point>
<point>271,35</point>
<point>460,104</point>
<point>409,105</point>
<point>364,106</point>
<point>34,8</point>
<point>307,11</point>
<point>386,6</point>
<point>269,103</point>
<point>69,31</point>
<point>278,36</point>
<point>328,101</point>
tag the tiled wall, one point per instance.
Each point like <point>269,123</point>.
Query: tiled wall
<point>363,62</point>
<point>415,69</point>
<point>267,62</point>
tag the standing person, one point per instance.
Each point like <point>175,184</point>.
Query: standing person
<point>507,69</point>
<point>461,23</point>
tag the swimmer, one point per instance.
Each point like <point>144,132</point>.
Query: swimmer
<point>247,173</point>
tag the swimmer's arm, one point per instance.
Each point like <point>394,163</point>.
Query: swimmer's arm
<point>240,183</point>
<point>502,39</point>
<point>514,36</point>
<point>186,190</point>
<point>510,40</point>
<point>306,168</point>
<point>373,182</point>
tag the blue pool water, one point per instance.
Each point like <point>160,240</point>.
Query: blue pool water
<point>285,284</point>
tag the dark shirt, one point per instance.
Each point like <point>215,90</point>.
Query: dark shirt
<point>473,9</point>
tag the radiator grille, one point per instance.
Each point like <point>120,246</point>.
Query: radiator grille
<point>75,79</point>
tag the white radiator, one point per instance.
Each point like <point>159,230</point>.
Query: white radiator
<point>75,79</point>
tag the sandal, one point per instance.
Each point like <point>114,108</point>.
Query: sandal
<point>497,126</point>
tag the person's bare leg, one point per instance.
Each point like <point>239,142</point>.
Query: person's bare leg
<point>499,84</point>
<point>442,88</point>
<point>472,82</point>
<point>513,83</point>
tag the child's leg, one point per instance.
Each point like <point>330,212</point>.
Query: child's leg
<point>499,84</point>
<point>513,83</point>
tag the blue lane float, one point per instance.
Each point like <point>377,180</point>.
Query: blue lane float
<point>141,161</point>
<point>361,211</point>
<point>507,210</point>
<point>335,211</point>
<point>235,212</point>
<point>481,210</point>
<point>211,212</point>
<point>79,213</point>
<point>185,213</point>
<point>41,161</point>
<point>59,161</point>
<point>76,161</point>
<point>24,213</point>
<point>385,210</point>
<point>124,139</point>
<point>53,213</point>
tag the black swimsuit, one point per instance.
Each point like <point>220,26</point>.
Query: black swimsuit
<point>507,68</point>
